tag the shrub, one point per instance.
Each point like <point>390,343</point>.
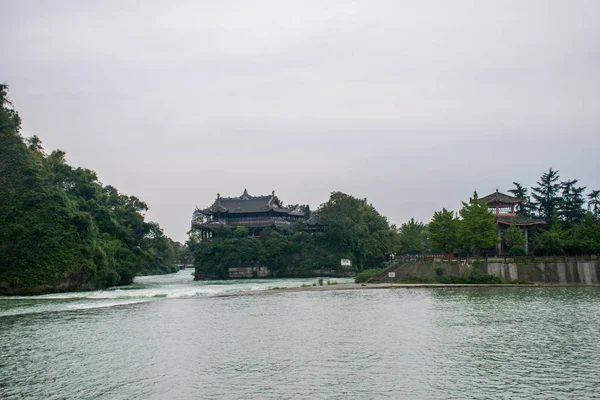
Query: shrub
<point>414,278</point>
<point>549,243</point>
<point>484,279</point>
<point>452,279</point>
<point>366,275</point>
<point>517,251</point>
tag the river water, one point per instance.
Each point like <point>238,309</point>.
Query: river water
<point>168,337</point>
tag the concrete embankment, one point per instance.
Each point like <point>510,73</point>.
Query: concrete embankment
<point>546,272</point>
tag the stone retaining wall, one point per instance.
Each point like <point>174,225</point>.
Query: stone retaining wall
<point>249,272</point>
<point>567,272</point>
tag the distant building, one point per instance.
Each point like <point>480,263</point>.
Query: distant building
<point>503,208</point>
<point>252,212</point>
<point>314,223</point>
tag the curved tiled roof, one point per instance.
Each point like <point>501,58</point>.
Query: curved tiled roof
<point>314,219</point>
<point>498,197</point>
<point>247,204</point>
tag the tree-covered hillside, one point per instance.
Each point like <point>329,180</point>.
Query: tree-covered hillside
<point>60,228</point>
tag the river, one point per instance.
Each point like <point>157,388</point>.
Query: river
<point>168,337</point>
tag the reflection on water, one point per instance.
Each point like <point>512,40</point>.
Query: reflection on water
<point>405,343</point>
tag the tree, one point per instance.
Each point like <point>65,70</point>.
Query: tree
<point>35,144</point>
<point>594,204</point>
<point>59,227</point>
<point>571,205</point>
<point>477,228</point>
<point>584,237</point>
<point>443,231</point>
<point>307,211</point>
<point>44,240</point>
<point>240,232</point>
<point>513,236</point>
<point>355,230</point>
<point>412,236</point>
<point>520,192</point>
<point>545,194</point>
<point>549,243</point>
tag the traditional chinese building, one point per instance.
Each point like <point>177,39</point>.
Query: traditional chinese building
<point>314,223</point>
<point>253,212</point>
<point>503,208</point>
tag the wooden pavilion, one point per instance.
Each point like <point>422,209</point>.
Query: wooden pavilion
<point>253,212</point>
<point>503,208</point>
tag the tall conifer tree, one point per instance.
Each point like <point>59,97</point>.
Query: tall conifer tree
<point>545,195</point>
<point>520,192</point>
<point>571,206</point>
<point>594,204</point>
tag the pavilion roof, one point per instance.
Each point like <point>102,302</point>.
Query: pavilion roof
<point>499,197</point>
<point>247,204</point>
<point>314,219</point>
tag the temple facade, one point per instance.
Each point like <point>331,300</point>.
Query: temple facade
<point>253,212</point>
<point>503,208</point>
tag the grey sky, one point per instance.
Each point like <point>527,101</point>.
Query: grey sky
<point>412,104</point>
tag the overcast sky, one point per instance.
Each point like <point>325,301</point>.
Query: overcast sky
<point>411,104</point>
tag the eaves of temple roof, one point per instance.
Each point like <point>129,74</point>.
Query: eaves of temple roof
<point>519,220</point>
<point>247,204</point>
<point>501,198</point>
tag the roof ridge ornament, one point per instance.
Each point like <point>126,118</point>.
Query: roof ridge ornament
<point>271,199</point>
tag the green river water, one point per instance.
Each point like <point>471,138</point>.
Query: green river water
<point>168,337</point>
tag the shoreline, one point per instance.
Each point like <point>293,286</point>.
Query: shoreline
<point>371,286</point>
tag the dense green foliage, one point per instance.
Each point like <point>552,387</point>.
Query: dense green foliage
<point>545,195</point>
<point>412,237</point>
<point>443,229</point>
<point>594,204</point>
<point>571,204</point>
<point>517,251</point>
<point>570,229</point>
<point>513,236</point>
<point>549,243</point>
<point>582,238</point>
<point>472,279</point>
<point>477,228</point>
<point>354,231</point>
<point>60,229</point>
<point>366,275</point>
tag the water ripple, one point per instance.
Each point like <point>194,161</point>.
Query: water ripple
<point>476,343</point>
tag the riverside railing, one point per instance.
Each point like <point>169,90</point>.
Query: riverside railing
<point>504,259</point>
